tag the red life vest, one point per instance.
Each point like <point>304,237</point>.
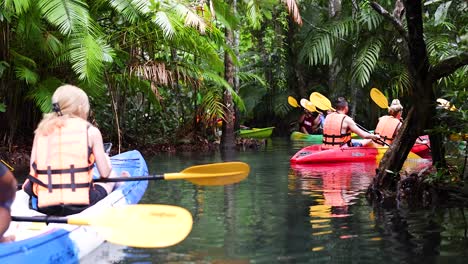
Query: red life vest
<point>63,170</point>
<point>387,128</point>
<point>332,136</point>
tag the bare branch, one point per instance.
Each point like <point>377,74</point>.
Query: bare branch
<point>448,66</point>
<point>396,23</point>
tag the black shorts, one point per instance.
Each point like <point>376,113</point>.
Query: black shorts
<point>96,193</point>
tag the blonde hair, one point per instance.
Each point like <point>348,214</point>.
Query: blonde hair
<point>72,102</point>
<point>395,107</point>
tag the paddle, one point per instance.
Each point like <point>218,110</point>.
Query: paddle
<point>8,165</point>
<point>222,173</point>
<point>292,102</point>
<point>140,225</point>
<point>308,105</point>
<point>320,101</point>
<point>446,104</point>
<point>381,100</point>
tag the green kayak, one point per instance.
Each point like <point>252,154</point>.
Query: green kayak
<point>258,133</point>
<point>313,138</point>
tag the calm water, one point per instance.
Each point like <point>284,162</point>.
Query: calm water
<point>303,214</point>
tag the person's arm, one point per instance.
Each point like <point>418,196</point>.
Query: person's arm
<point>31,160</point>
<point>102,159</point>
<point>7,195</point>
<point>354,128</point>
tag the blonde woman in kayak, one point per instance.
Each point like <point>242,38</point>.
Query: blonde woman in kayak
<point>64,151</point>
<point>338,126</point>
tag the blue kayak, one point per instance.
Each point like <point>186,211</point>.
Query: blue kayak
<point>64,243</point>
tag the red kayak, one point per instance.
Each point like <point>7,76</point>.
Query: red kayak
<point>315,154</point>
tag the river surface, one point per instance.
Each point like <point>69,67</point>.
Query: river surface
<point>284,214</point>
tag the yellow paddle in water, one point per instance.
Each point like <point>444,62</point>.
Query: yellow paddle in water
<point>213,174</point>
<point>320,100</point>
<point>139,225</point>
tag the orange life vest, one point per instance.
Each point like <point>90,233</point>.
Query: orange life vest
<point>387,128</point>
<point>63,170</point>
<point>332,136</point>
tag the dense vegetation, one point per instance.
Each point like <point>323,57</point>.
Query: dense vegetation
<point>164,71</point>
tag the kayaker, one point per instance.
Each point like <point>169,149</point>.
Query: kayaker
<point>64,151</point>
<point>388,125</point>
<point>311,122</point>
<point>338,126</point>
<point>7,195</point>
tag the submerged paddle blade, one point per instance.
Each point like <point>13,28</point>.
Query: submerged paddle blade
<point>292,102</point>
<point>379,98</point>
<point>308,105</point>
<point>213,174</point>
<point>141,225</point>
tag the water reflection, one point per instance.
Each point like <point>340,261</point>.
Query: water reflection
<point>334,186</point>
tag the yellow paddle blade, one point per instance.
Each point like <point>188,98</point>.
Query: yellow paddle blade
<point>446,104</point>
<point>321,101</point>
<point>379,98</point>
<point>292,102</point>
<point>213,174</point>
<point>308,105</point>
<point>141,225</point>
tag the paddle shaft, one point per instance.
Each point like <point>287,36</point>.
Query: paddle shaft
<point>41,219</point>
<point>138,178</point>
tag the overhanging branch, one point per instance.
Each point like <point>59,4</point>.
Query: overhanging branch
<point>446,67</point>
<point>396,23</point>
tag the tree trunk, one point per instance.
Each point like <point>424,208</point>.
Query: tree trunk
<point>228,138</point>
<point>421,95</point>
<point>334,11</point>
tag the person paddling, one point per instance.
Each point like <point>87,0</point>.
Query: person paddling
<point>311,122</point>
<point>64,151</point>
<point>7,195</point>
<point>388,125</point>
<point>338,127</point>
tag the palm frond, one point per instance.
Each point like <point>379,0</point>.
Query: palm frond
<point>319,46</point>
<point>368,17</point>
<point>41,94</point>
<point>17,6</point>
<point>131,10</point>
<point>210,76</point>
<point>88,55</point>
<point>26,74</point>
<point>190,17</point>
<point>164,22</point>
<point>211,106</point>
<point>365,62</point>
<point>66,15</point>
